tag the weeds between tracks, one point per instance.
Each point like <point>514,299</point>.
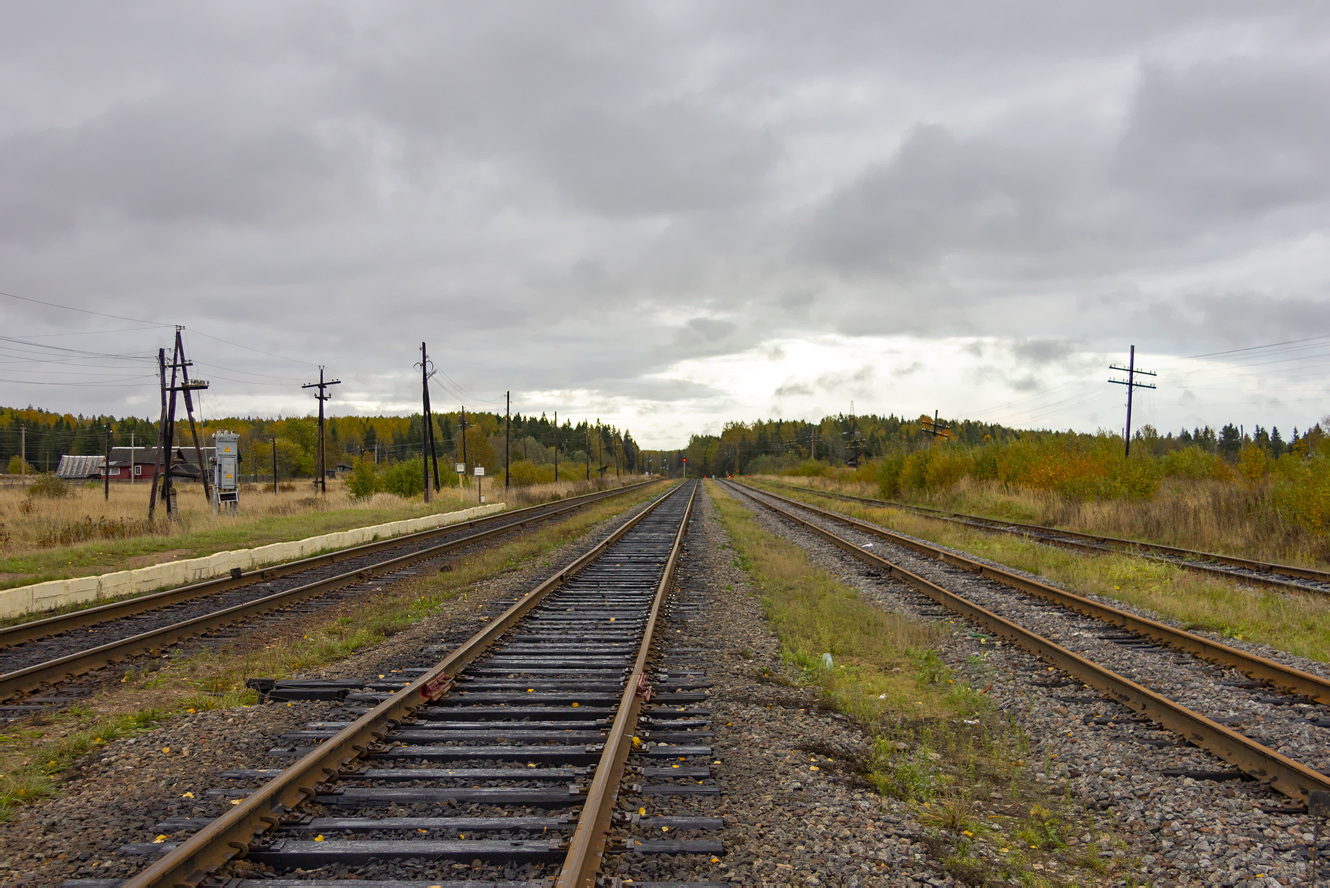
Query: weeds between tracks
<point>935,741</point>
<point>34,753</point>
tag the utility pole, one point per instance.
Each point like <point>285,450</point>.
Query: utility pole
<point>556,446</point>
<point>322,483</point>
<point>168,489</point>
<point>23,450</point>
<point>463,441</point>
<point>1131,383</point>
<point>939,428</point>
<point>132,464</point>
<point>106,466</point>
<point>161,436</point>
<point>274,465</point>
<point>186,387</point>
<point>507,424</point>
<point>427,451</point>
<point>588,451</point>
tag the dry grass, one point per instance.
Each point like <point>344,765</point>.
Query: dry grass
<point>1204,515</point>
<point>32,757</point>
<point>1299,624</point>
<point>937,744</point>
<point>44,538</point>
<point>882,667</point>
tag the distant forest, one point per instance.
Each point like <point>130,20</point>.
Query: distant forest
<point>384,439</point>
<point>768,446</point>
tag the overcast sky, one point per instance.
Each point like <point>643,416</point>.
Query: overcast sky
<point>669,215</point>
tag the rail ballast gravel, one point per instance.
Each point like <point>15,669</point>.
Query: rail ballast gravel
<point>594,617</point>
<point>1282,773</point>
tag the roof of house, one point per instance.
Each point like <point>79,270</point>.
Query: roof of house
<point>146,456</point>
<point>78,467</point>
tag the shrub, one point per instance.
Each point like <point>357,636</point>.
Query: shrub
<point>810,468</point>
<point>1195,464</point>
<point>1302,492</point>
<point>524,473</point>
<point>15,466</point>
<point>48,486</point>
<point>947,466</point>
<point>1253,463</point>
<point>889,475</point>
<point>405,479</point>
<point>364,480</point>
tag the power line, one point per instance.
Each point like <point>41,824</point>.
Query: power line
<point>256,350</point>
<point>1255,348</point>
<point>84,310</point>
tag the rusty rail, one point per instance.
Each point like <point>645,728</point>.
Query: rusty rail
<point>586,848</point>
<point>62,668</point>
<point>1293,680</point>
<point>1258,761</point>
<point>91,616</point>
<point>229,835</point>
<point>1188,559</point>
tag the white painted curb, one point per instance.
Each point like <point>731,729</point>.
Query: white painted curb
<point>56,593</point>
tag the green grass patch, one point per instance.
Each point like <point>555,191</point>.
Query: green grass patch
<point>1288,621</point>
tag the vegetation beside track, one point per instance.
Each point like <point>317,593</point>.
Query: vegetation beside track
<point>80,533</point>
<point>936,742</point>
<point>1281,514</point>
<point>1289,621</point>
<point>35,752</point>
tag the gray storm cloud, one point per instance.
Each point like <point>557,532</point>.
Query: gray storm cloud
<point>577,197</point>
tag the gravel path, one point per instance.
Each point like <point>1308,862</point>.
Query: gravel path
<point>1179,831</point>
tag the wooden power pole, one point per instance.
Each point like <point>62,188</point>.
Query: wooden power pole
<point>1131,383</point>
<point>321,385</point>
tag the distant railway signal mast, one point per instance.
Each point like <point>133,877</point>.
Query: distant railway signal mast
<point>1131,383</point>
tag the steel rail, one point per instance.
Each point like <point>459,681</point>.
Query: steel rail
<point>586,848</point>
<point>19,633</point>
<point>1189,559</point>
<point>1254,759</point>
<point>229,835</point>
<point>1292,680</point>
<point>23,680</point>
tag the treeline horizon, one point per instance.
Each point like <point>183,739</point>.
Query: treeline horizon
<point>769,446</point>
<point>382,439</point>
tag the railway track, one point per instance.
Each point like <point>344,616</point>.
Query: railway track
<point>1263,717</point>
<point>1285,577</point>
<point>502,762</point>
<point>44,652</point>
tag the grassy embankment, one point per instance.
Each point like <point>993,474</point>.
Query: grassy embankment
<point>1257,507</point>
<point>937,744</point>
<point>79,534</point>
<point>1293,622</point>
<point>34,753</point>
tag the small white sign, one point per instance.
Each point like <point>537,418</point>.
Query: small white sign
<point>480,470</point>
<point>461,468</point>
